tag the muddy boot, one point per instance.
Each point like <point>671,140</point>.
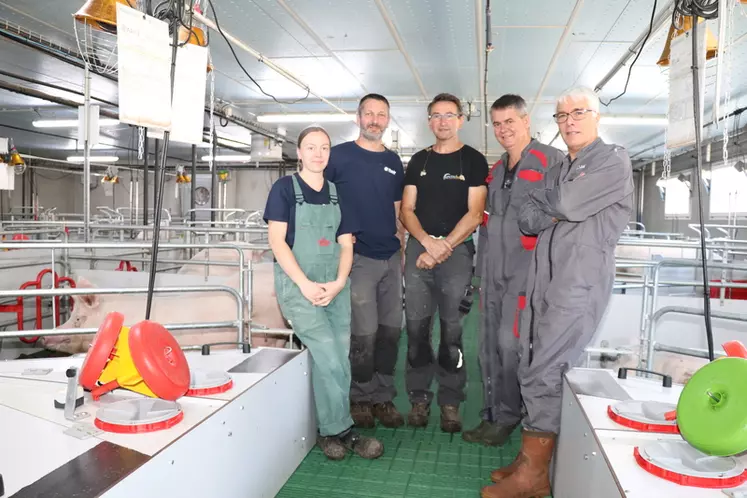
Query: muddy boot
<point>362,416</point>
<point>332,447</point>
<point>363,446</point>
<point>450,421</point>
<point>497,435</point>
<point>418,416</point>
<point>476,435</point>
<point>388,415</point>
<point>530,475</point>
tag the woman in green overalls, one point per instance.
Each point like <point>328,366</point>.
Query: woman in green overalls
<point>310,234</point>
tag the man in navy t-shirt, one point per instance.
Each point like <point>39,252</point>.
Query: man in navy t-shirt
<point>370,177</point>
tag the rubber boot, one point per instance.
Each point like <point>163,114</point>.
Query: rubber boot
<point>529,475</point>
<point>489,433</point>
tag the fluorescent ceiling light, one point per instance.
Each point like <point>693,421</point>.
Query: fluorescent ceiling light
<point>229,159</point>
<point>632,120</point>
<point>93,159</point>
<point>69,123</point>
<point>306,118</point>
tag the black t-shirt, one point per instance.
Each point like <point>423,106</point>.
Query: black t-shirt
<point>443,182</point>
<point>281,206</point>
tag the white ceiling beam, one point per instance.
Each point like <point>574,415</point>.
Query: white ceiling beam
<point>558,50</point>
<point>400,44</point>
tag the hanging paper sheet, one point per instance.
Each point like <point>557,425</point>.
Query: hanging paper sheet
<point>188,108</point>
<point>144,69</point>
<point>681,131</point>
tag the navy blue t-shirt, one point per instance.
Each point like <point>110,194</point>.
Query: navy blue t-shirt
<point>371,182</point>
<point>281,205</point>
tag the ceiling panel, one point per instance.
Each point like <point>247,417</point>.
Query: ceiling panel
<point>531,13</point>
<point>634,19</point>
<point>440,38</point>
<point>56,24</point>
<point>381,72</point>
<point>368,32</point>
<point>520,60</point>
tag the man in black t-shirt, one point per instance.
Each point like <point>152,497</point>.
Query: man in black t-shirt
<point>442,205</point>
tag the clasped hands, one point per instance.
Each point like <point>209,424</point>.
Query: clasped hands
<point>436,252</point>
<point>321,294</point>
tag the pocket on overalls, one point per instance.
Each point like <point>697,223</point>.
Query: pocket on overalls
<point>520,305</point>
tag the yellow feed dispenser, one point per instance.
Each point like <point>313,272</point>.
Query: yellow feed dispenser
<point>145,359</point>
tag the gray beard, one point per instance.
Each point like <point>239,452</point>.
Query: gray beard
<point>371,136</point>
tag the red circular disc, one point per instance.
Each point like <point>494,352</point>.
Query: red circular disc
<point>140,428</point>
<point>101,348</point>
<point>642,426</point>
<point>159,360</point>
<point>207,391</point>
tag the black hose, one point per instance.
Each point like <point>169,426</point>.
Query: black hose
<point>699,182</point>
<point>178,6</point>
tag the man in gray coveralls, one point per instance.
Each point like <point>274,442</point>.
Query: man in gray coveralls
<point>578,214</point>
<point>506,254</point>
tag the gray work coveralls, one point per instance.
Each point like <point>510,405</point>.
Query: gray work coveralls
<point>572,272</point>
<point>505,258</point>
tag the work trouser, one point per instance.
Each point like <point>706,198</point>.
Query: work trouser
<point>499,348</point>
<point>440,288</point>
<point>376,302</point>
<point>325,331</point>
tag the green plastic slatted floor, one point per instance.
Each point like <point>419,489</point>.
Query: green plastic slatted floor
<point>416,462</point>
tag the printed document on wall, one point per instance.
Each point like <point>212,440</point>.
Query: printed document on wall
<point>144,62</point>
<point>681,131</point>
<point>188,109</point>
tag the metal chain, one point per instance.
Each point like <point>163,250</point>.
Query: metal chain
<point>212,119</point>
<point>140,142</point>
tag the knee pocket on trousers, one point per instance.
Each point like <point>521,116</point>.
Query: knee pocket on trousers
<point>450,358</point>
<point>362,358</point>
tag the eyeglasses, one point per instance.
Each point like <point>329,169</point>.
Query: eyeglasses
<point>576,114</point>
<point>449,116</point>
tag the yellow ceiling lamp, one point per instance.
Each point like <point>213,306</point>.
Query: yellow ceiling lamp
<point>687,24</point>
<point>100,14</point>
<point>15,158</point>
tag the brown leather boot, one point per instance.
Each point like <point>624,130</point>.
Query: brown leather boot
<point>362,415</point>
<point>529,475</point>
<point>388,415</point>
<point>418,416</point>
<point>450,421</point>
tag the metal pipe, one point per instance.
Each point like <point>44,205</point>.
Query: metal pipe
<point>214,182</point>
<point>80,331</point>
<point>145,180</point>
<point>697,352</point>
<point>104,291</point>
<point>263,59</point>
<point>30,92</point>
<point>660,21</point>
<point>193,184</point>
<point>641,190</point>
<point>87,157</point>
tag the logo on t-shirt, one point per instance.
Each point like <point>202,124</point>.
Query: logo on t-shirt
<point>389,170</point>
<point>324,242</point>
<point>449,176</point>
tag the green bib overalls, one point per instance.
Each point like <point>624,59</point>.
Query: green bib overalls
<point>325,331</point>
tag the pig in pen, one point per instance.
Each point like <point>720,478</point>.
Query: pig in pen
<point>91,309</point>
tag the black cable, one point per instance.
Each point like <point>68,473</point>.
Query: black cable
<point>178,6</point>
<point>640,51</point>
<point>236,57</point>
<point>698,159</point>
<point>707,9</point>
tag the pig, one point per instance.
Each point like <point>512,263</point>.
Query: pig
<point>680,367</point>
<point>90,310</point>
<point>256,256</point>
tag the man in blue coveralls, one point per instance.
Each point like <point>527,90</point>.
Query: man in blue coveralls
<point>371,177</point>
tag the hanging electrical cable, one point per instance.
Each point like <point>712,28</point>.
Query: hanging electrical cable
<point>709,10</point>
<point>175,20</point>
